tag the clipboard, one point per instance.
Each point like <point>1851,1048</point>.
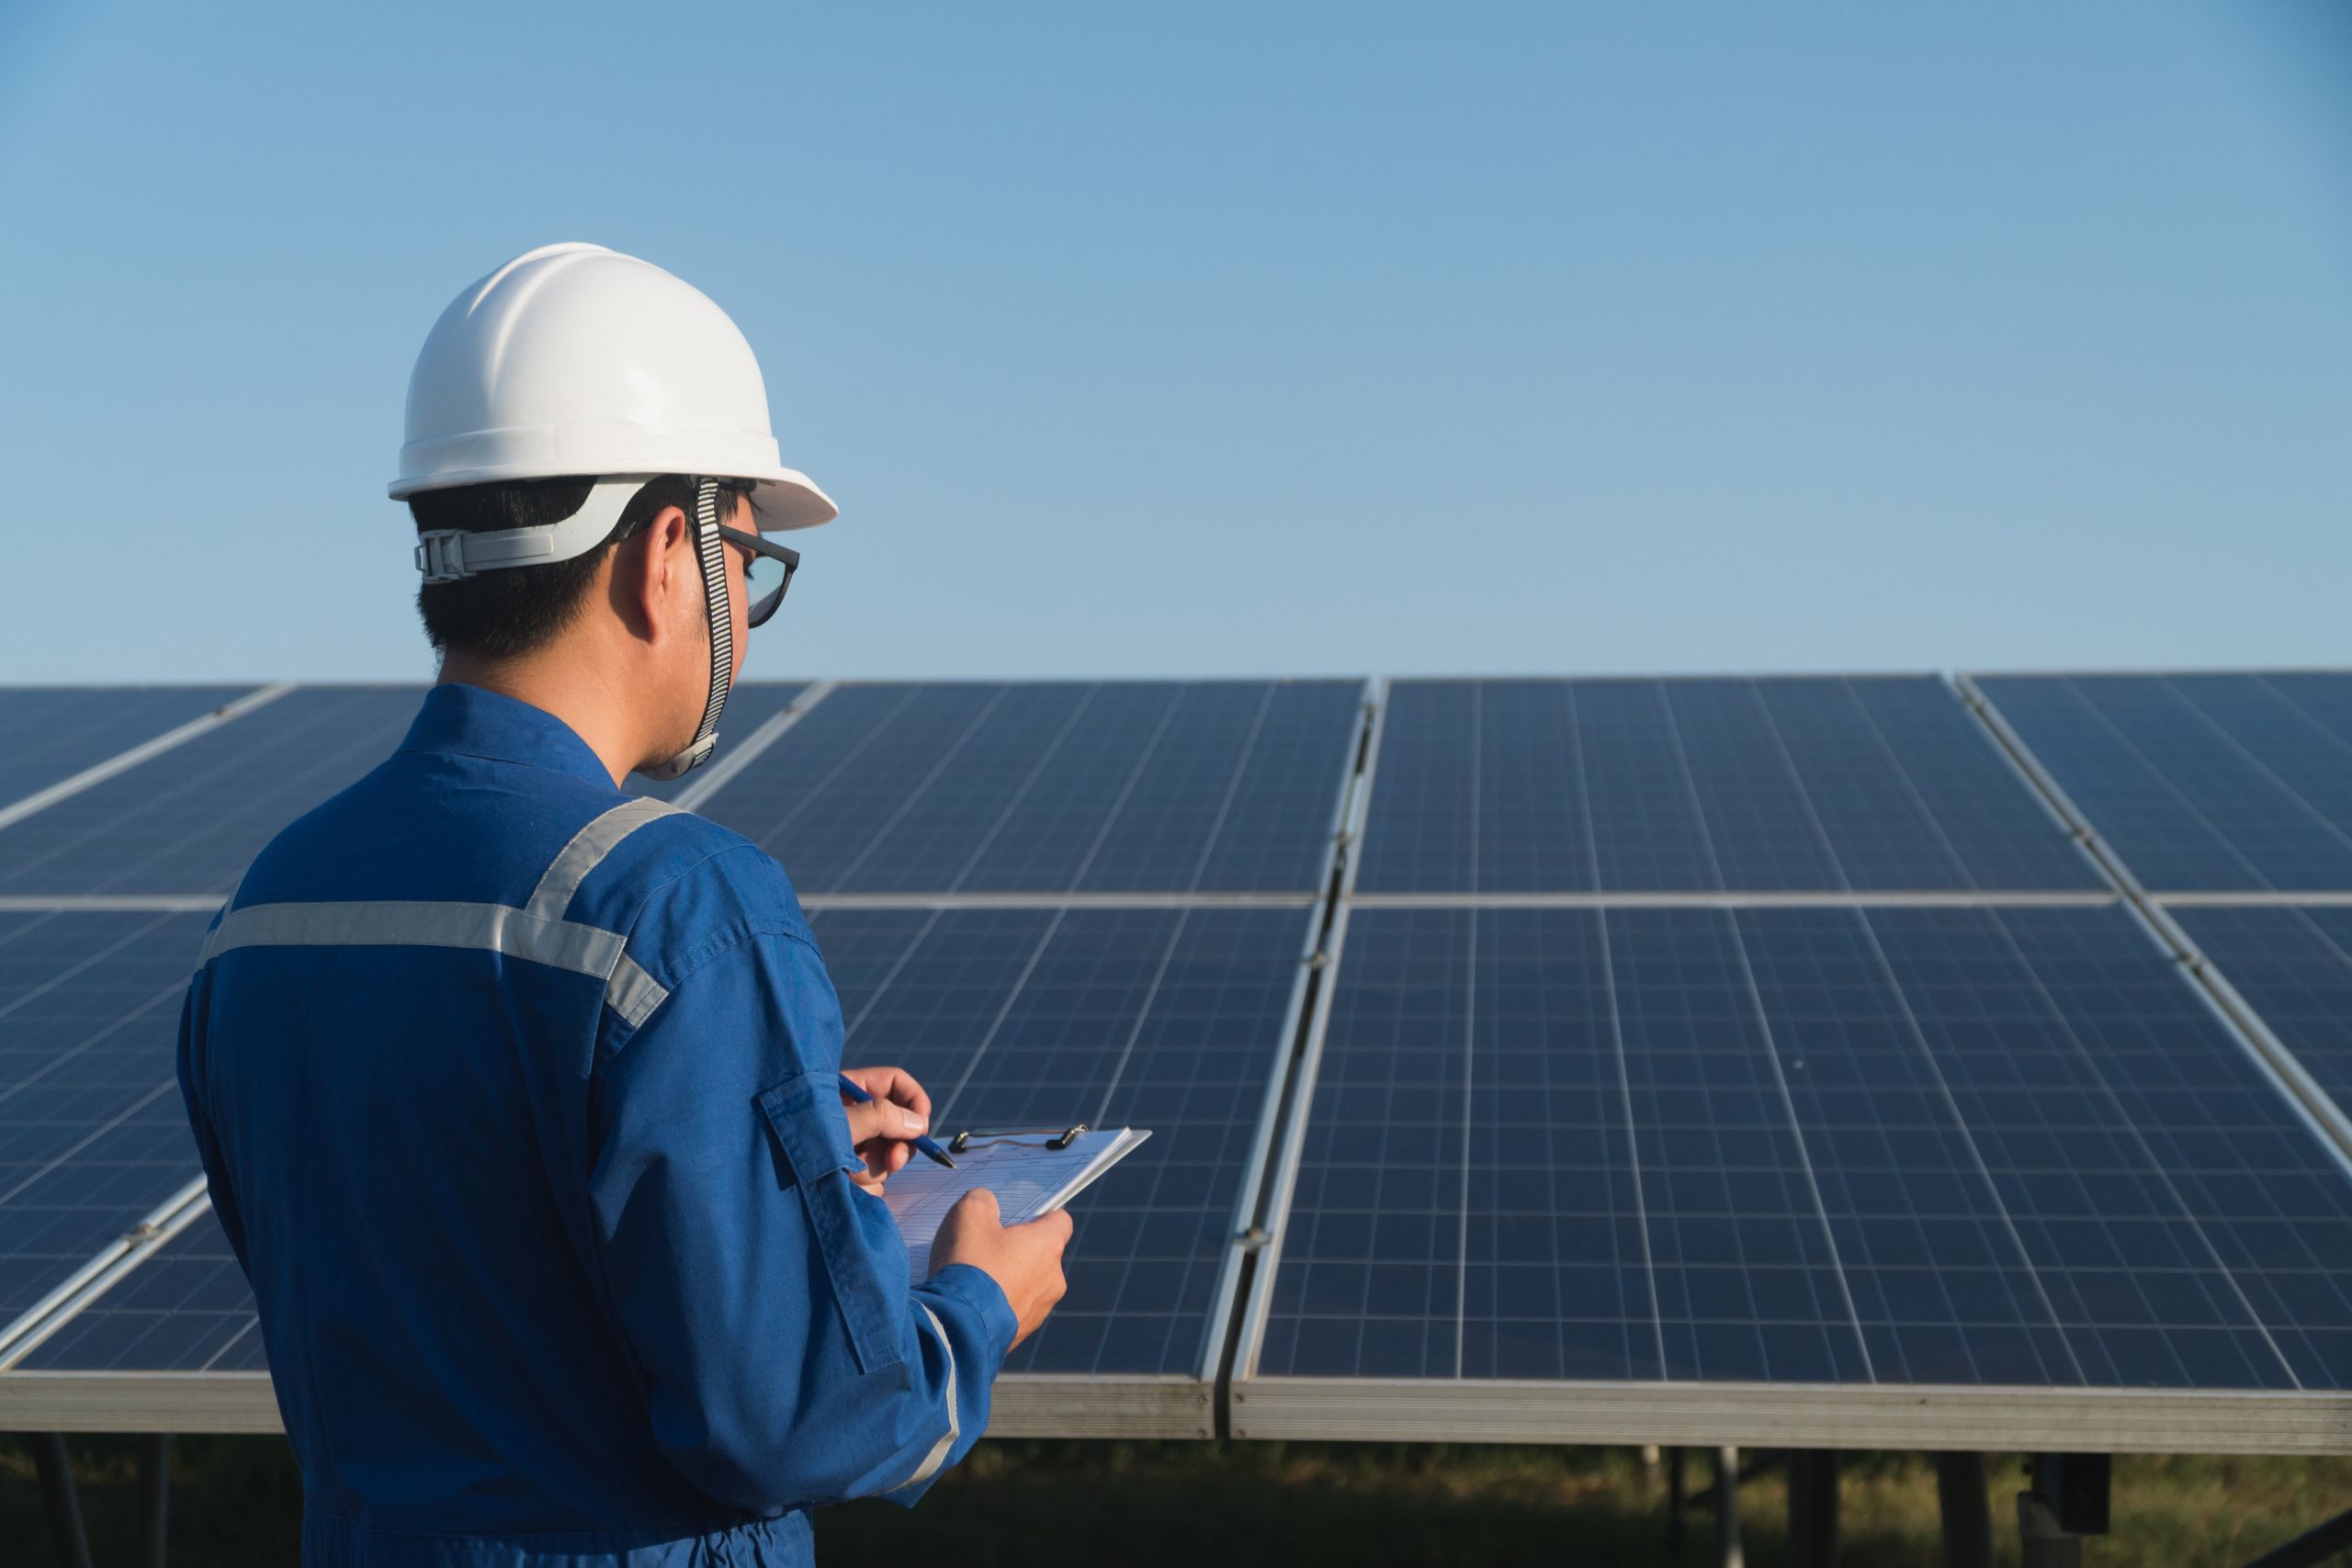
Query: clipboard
<point>1032,1172</point>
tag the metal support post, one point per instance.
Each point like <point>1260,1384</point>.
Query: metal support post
<point>2067,1500</point>
<point>62,1504</point>
<point>2311,1547</point>
<point>1813,1507</point>
<point>155,1497</point>
<point>1677,1523</point>
<point>1961,1494</point>
<point>1727,1552</point>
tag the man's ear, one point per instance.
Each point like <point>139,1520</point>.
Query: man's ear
<point>646,573</point>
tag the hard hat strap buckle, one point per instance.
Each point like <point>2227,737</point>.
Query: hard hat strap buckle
<point>441,555</point>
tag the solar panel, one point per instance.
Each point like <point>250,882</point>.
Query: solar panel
<point>92,1134</point>
<point>1174,1020</point>
<point>1697,786</point>
<point>2200,783</point>
<point>186,1309</point>
<point>749,705</point>
<point>190,821</point>
<point>1203,786</point>
<point>48,733</point>
<point>2293,964</point>
<point>1944,1145</point>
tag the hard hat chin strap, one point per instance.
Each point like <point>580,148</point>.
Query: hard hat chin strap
<point>712,552</point>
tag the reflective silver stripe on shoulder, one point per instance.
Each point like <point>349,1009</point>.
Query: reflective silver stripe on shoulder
<point>587,850</point>
<point>632,993</point>
<point>938,1455</point>
<point>494,927</point>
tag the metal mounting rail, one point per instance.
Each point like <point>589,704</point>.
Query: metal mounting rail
<point>101,1274</point>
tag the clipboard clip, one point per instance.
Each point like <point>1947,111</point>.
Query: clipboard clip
<point>1057,1138</point>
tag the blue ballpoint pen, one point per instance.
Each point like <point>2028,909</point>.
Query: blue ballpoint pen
<point>857,1096</point>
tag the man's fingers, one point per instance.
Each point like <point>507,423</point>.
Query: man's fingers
<point>883,1120</point>
<point>977,1205</point>
<point>1056,1225</point>
<point>894,1084</point>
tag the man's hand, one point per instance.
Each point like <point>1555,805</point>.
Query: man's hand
<point>1026,1260</point>
<point>900,1110</point>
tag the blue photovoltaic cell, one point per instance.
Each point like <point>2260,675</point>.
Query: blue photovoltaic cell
<point>1166,1019</point>
<point>92,1134</point>
<point>749,703</point>
<point>186,1309</point>
<point>1826,785</point>
<point>190,821</point>
<point>48,733</point>
<point>1143,786</point>
<point>2294,966</point>
<point>1960,1145</point>
<point>2200,783</point>
<point>1170,1020</point>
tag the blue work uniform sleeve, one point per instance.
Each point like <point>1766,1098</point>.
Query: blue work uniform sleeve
<point>194,1097</point>
<point>787,1357</point>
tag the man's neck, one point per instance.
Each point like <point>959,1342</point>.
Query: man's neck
<point>575,690</point>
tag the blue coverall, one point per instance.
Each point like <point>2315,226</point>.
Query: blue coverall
<point>518,1098</point>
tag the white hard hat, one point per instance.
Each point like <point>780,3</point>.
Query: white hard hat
<point>573,359</point>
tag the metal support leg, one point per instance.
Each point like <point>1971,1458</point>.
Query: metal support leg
<point>1812,1509</point>
<point>2311,1547</point>
<point>1677,1522</point>
<point>1727,1552</point>
<point>2067,1501</point>
<point>62,1503</point>
<point>154,1494</point>
<point>1967,1512</point>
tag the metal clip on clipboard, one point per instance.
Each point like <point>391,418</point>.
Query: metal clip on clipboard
<point>1056,1138</point>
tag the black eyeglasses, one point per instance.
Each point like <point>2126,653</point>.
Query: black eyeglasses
<point>770,574</point>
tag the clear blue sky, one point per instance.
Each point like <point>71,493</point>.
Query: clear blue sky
<point>1209,339</point>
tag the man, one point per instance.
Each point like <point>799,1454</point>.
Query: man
<point>519,1095</point>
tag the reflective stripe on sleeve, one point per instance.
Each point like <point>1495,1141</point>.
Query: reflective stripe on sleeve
<point>938,1455</point>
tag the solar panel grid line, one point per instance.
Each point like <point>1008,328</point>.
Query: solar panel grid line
<point>2207,782</point>
<point>2028,978</point>
<point>122,762</point>
<point>2325,1105</point>
<point>2156,1164</point>
<point>2328,1117</point>
<point>1804,783</point>
<point>2216,900</point>
<point>733,758</point>
<point>1075,1023</point>
<point>2294,790</point>
<point>815,901</point>
<point>64,1306</point>
<point>923,786</point>
<point>118,904</point>
<point>191,821</point>
<point>1749,899</point>
<point>1044,759</point>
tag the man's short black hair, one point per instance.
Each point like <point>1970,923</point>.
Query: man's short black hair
<point>505,614</point>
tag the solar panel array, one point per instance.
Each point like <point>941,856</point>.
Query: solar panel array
<point>1668,1034</point>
